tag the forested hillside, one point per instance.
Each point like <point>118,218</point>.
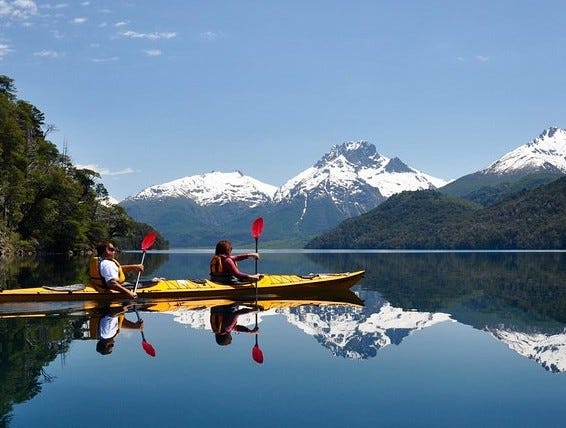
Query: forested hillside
<point>531,219</point>
<point>46,203</point>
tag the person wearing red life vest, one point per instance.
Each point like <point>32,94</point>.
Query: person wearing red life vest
<point>224,266</point>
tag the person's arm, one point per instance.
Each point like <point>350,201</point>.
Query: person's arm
<point>239,257</point>
<point>113,284</point>
<point>231,268</point>
<point>130,268</point>
<point>135,325</point>
<point>244,329</point>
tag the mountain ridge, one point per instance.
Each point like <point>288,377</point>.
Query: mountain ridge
<point>349,180</point>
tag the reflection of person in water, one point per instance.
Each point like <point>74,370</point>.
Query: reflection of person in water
<point>107,327</point>
<point>224,320</point>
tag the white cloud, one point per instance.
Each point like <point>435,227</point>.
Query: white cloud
<point>49,54</point>
<point>209,35</point>
<point>18,9</point>
<point>107,59</point>
<point>153,52</point>
<point>150,36</point>
<point>106,171</point>
<point>477,58</point>
<point>4,50</point>
<point>120,24</point>
<point>55,6</point>
<point>80,20</point>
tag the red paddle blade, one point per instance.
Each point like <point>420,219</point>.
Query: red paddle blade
<point>148,241</point>
<point>257,355</point>
<point>257,227</point>
<point>149,350</point>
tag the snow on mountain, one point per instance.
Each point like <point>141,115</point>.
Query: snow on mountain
<point>359,333</point>
<point>351,168</point>
<point>547,350</point>
<point>214,188</point>
<point>547,152</point>
<point>350,332</point>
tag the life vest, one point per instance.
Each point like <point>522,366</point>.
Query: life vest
<point>221,317</point>
<point>94,272</point>
<point>216,322</point>
<point>217,273</point>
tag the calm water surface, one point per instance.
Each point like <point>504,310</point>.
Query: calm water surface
<point>443,340</point>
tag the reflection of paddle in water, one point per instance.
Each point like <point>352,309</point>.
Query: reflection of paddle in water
<point>257,230</point>
<point>149,350</point>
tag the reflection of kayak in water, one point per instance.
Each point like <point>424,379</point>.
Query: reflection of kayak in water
<point>278,285</point>
<point>341,297</point>
<point>265,302</point>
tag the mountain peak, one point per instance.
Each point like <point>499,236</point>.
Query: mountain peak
<point>547,152</point>
<point>353,169</point>
<point>358,153</point>
<point>213,188</point>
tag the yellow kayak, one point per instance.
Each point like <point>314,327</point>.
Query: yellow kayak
<point>269,285</point>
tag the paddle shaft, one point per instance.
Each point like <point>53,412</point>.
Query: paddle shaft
<point>139,273</point>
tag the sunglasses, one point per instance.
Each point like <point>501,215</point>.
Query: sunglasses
<point>111,249</point>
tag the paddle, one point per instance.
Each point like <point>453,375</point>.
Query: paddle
<point>149,350</point>
<point>146,244</point>
<point>257,230</point>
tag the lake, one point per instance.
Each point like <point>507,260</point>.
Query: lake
<point>443,339</point>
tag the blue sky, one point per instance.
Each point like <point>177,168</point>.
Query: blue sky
<point>151,91</point>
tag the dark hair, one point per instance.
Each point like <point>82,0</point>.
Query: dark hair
<point>105,346</point>
<point>223,339</point>
<point>223,247</point>
<point>101,247</point>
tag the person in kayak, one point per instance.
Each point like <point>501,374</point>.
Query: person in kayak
<point>224,266</point>
<point>107,273</point>
<point>224,320</point>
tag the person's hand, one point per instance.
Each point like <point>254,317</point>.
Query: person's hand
<point>139,268</point>
<point>254,255</point>
<point>255,329</point>
<point>133,295</point>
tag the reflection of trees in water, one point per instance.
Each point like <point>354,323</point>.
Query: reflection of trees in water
<point>27,346</point>
<point>522,286</point>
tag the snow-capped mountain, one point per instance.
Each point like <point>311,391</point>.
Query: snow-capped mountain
<point>352,167</point>
<point>349,180</point>
<point>545,153</point>
<point>528,166</point>
<point>214,188</point>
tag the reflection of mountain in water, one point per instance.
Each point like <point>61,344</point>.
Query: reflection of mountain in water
<point>519,298</point>
<point>347,331</point>
<point>547,350</point>
<point>359,333</point>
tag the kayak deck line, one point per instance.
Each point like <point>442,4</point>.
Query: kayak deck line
<point>188,288</point>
